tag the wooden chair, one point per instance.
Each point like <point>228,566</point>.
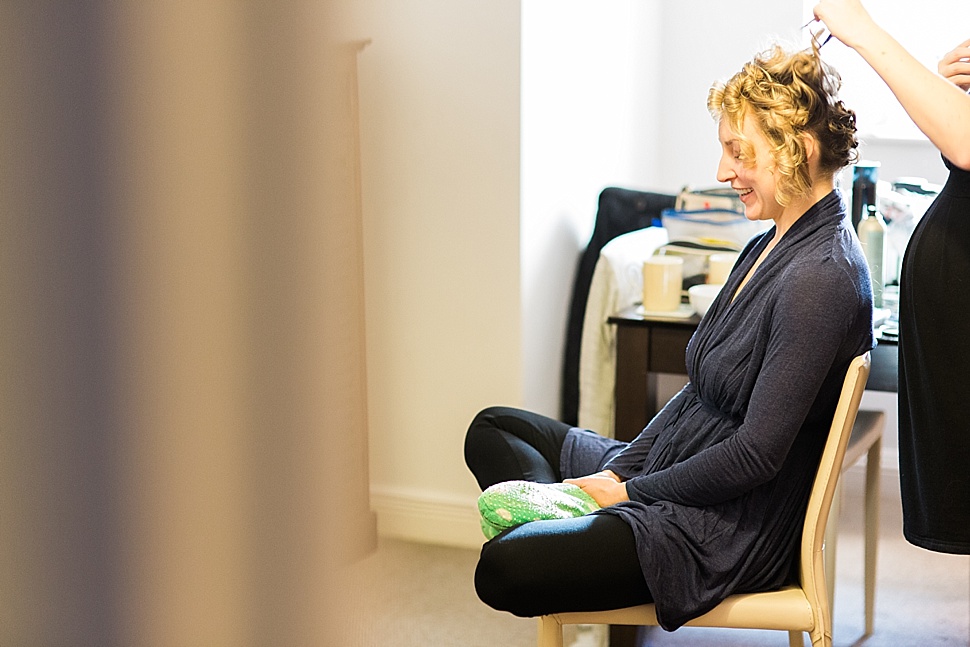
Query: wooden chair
<point>866,440</point>
<point>797,608</point>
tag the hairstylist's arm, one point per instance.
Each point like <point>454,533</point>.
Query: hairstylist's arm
<point>939,108</point>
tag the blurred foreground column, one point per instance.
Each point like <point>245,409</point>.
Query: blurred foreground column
<point>183,455</point>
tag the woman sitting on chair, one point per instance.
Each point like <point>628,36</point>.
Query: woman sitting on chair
<point>709,499</point>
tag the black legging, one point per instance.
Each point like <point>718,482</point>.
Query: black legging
<point>583,564</point>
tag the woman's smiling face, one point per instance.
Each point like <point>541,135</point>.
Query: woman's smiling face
<point>753,179</point>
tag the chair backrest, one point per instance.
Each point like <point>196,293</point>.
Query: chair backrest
<point>812,568</point>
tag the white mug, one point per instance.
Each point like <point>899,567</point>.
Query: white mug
<point>663,279</point>
<point>719,266</point>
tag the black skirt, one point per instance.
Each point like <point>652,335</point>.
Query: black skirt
<point>934,373</point>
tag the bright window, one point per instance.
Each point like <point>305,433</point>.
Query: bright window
<point>928,29</point>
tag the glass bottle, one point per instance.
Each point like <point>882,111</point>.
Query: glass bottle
<point>872,235</point>
<point>865,176</point>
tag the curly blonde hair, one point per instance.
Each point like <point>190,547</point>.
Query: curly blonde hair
<point>789,95</point>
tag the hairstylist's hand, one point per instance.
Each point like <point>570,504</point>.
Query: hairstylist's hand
<point>848,20</point>
<point>604,487</point>
<point>955,66</point>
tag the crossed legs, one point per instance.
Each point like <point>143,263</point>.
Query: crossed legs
<point>584,564</point>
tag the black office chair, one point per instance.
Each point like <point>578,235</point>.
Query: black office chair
<point>620,211</point>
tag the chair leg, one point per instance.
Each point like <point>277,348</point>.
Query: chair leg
<point>821,639</point>
<point>550,632</point>
<point>795,639</point>
<point>873,459</point>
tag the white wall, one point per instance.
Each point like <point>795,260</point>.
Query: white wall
<point>566,108</point>
<point>613,94</point>
<point>902,157</point>
<point>590,119</point>
<point>705,41</point>
<point>479,197</point>
<point>439,97</point>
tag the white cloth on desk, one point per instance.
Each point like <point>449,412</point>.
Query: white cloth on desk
<point>617,284</point>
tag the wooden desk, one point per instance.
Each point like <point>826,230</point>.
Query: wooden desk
<point>646,346</point>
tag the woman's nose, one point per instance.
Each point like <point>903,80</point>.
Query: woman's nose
<point>725,171</point>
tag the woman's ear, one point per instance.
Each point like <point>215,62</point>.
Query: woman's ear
<point>812,152</point>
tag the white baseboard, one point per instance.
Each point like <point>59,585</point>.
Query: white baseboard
<point>427,517</point>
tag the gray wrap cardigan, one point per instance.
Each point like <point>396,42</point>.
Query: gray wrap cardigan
<point>719,479</point>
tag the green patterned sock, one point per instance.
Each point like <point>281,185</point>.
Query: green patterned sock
<point>512,503</point>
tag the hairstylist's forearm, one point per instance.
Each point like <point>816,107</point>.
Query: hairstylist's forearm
<point>938,107</point>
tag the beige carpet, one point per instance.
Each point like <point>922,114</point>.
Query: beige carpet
<point>415,595</point>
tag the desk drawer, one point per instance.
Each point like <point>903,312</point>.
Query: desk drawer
<point>667,346</point>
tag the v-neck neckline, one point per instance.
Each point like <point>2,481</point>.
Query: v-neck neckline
<point>809,219</point>
<point>759,261</point>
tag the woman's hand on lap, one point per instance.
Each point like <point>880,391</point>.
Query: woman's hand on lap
<point>604,487</point>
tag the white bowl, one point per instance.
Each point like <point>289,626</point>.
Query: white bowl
<point>702,296</point>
